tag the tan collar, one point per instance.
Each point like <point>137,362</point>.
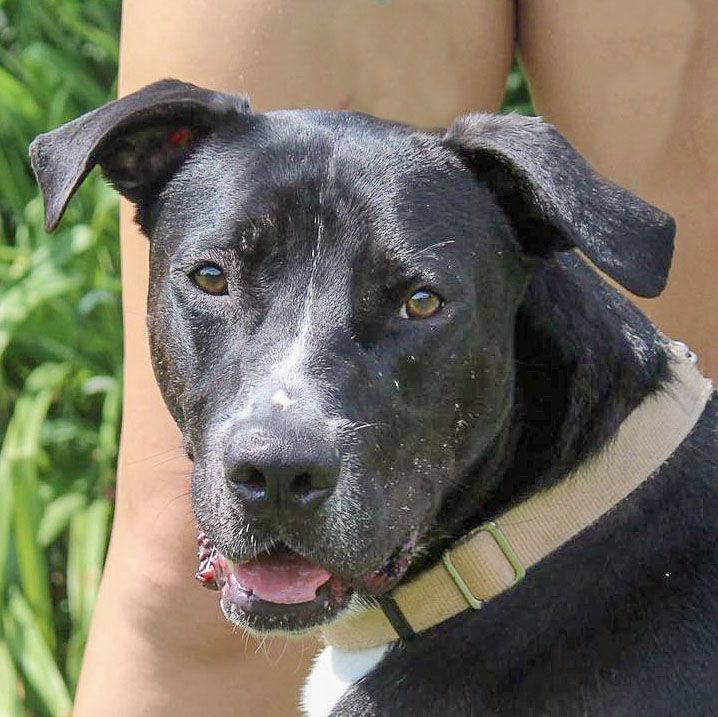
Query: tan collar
<point>494,557</point>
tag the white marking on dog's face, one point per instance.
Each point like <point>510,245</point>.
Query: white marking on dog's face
<point>281,400</point>
<point>333,673</point>
<point>290,366</point>
<point>292,362</point>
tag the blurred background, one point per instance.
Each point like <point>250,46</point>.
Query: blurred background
<point>60,356</point>
<point>60,353</point>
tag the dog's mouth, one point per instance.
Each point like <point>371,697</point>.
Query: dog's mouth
<point>279,589</point>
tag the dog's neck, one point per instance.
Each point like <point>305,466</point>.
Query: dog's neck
<point>585,358</point>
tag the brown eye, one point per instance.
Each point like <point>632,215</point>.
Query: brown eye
<point>210,278</point>
<point>422,304</point>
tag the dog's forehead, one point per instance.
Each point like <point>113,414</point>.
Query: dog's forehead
<point>334,161</point>
<point>360,181</point>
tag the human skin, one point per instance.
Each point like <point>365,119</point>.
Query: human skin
<point>158,644</point>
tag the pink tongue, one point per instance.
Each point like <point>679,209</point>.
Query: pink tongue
<point>285,578</point>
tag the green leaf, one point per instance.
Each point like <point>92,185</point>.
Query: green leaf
<point>32,654</point>
<point>6,513</point>
<point>57,516</point>
<point>9,698</point>
<point>18,302</point>
<point>85,557</point>
<point>30,412</point>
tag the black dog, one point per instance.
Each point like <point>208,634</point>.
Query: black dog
<point>375,339</point>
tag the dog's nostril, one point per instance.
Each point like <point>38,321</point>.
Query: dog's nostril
<point>310,489</point>
<point>302,484</point>
<point>254,479</point>
<point>250,481</point>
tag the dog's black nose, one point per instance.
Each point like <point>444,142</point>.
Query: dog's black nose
<point>270,470</point>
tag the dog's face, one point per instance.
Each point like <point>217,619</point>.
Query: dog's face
<point>362,347</point>
<point>331,309</point>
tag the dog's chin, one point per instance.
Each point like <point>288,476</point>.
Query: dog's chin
<point>279,590</point>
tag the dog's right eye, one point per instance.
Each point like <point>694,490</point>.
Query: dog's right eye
<point>210,278</point>
<point>422,304</point>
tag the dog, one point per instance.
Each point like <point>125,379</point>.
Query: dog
<point>382,344</point>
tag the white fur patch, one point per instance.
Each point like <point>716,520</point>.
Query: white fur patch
<point>293,361</point>
<point>281,400</point>
<point>334,672</point>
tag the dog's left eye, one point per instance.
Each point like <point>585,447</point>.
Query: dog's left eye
<point>210,278</point>
<point>422,304</point>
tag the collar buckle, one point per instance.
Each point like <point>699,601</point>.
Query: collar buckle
<point>504,546</point>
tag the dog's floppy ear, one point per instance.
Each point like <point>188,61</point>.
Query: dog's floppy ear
<point>139,141</point>
<point>556,201</point>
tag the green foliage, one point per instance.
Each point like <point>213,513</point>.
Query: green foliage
<point>60,353</point>
<point>60,356</point>
<point>517,97</point>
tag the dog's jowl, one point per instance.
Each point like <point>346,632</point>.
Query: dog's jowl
<point>421,423</point>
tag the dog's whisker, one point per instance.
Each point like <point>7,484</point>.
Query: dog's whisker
<point>429,248</point>
<point>173,452</point>
<point>363,426</point>
<point>169,503</point>
<point>167,460</point>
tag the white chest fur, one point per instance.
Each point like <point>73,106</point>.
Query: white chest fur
<point>333,673</point>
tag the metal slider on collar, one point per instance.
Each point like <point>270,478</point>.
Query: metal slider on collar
<point>504,546</point>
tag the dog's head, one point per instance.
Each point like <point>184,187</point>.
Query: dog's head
<point>331,308</point>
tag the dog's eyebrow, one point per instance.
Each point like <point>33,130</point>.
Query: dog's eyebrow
<point>424,264</point>
<point>250,230</point>
<point>398,269</point>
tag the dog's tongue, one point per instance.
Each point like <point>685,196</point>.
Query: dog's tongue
<point>285,578</point>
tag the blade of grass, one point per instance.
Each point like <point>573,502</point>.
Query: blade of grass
<point>85,557</point>
<point>57,516</point>
<point>36,289</point>
<point>9,698</point>
<point>6,510</point>
<point>31,653</point>
<point>30,412</point>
